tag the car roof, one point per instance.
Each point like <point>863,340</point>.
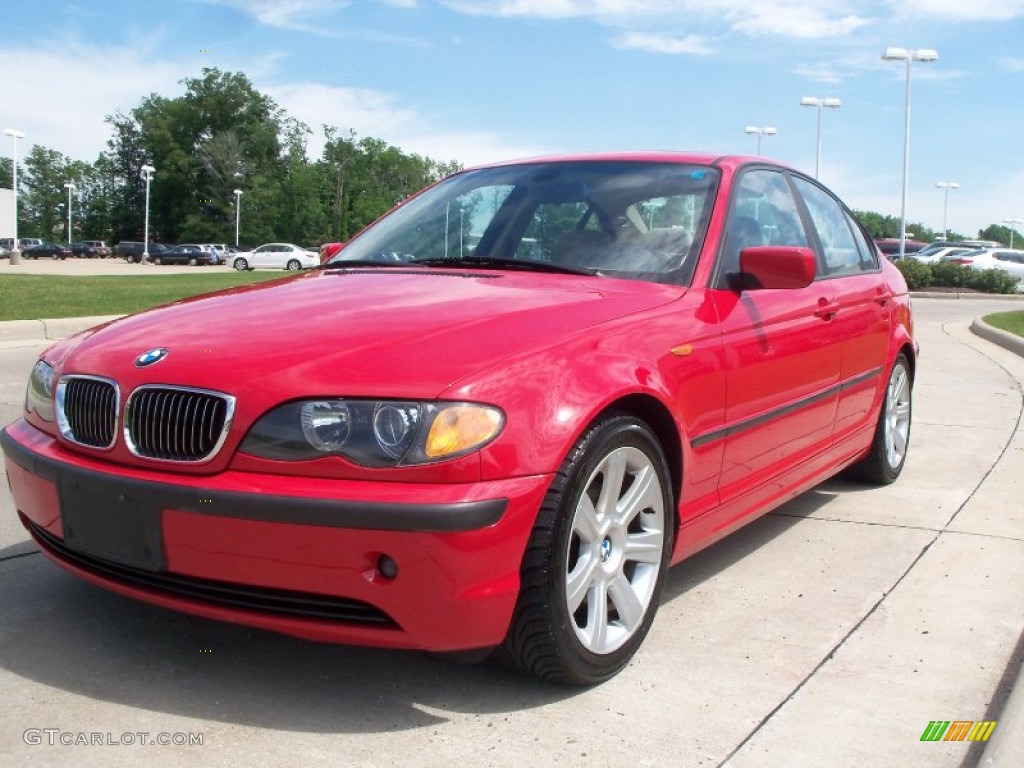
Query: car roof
<point>649,156</point>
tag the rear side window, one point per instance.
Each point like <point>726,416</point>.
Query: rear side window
<point>844,252</point>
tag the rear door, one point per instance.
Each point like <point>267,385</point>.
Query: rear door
<point>862,306</point>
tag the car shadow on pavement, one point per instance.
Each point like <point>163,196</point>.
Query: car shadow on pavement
<point>738,545</point>
<point>68,635</point>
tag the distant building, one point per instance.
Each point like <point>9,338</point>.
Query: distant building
<point>6,213</point>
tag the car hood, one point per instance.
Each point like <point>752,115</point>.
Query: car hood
<point>407,333</point>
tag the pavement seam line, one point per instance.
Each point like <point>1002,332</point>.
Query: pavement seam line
<point>725,763</point>
<point>895,525</point>
<point>22,554</point>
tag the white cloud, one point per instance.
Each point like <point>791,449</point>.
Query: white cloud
<point>793,19</point>
<point>963,10</point>
<point>60,100</point>
<point>288,14</point>
<point>642,41</point>
<point>1012,64</point>
<point>60,97</point>
<point>783,18</point>
<point>372,113</point>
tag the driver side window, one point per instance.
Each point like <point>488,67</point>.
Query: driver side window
<point>763,212</point>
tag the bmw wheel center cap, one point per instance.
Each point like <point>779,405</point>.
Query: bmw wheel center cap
<point>150,357</point>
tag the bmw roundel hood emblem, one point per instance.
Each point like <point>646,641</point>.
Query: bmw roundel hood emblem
<point>150,357</point>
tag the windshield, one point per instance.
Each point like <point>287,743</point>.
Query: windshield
<point>640,220</point>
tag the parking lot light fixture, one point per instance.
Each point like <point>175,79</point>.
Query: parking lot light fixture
<point>829,102</point>
<point>905,54</point>
<point>15,257</point>
<point>760,131</point>
<point>147,173</point>
<point>1013,223</point>
<point>69,186</point>
<point>238,213</point>
<point>945,186</point>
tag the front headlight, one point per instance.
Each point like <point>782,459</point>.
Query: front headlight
<point>373,433</point>
<point>39,393</point>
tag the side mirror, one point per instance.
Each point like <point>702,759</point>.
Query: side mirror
<point>776,266</point>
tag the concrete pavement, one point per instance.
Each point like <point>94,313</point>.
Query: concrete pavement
<point>830,632</point>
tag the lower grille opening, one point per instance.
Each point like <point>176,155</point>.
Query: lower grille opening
<point>282,602</point>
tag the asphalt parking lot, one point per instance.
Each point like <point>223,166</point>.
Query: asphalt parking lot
<point>830,632</point>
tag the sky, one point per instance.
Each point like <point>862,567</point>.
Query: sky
<point>478,81</point>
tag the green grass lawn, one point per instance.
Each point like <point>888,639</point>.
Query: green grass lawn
<point>1008,321</point>
<point>31,297</point>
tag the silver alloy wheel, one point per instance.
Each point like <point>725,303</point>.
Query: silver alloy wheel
<point>897,415</point>
<point>615,550</point>
<point>293,265</point>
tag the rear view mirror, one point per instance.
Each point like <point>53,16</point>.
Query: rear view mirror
<point>776,266</point>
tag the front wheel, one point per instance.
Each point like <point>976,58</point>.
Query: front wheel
<point>241,265</point>
<point>596,560</point>
<point>293,265</point>
<point>884,462</point>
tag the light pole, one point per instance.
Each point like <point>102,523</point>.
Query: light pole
<point>830,103</point>
<point>69,186</point>
<point>760,131</point>
<point>147,173</point>
<point>238,213</point>
<point>1012,223</point>
<point>903,54</point>
<point>15,135</point>
<point>945,186</point>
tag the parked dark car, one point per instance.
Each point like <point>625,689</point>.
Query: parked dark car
<point>890,246</point>
<point>84,250</point>
<point>131,250</point>
<point>47,251</point>
<point>192,255</point>
<point>102,249</point>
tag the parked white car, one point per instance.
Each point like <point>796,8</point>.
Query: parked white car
<point>934,256</point>
<point>1006,259</point>
<point>276,256</point>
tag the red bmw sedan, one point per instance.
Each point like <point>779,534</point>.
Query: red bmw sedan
<point>530,390</point>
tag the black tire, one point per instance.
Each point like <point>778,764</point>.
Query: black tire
<point>884,462</point>
<point>157,260</point>
<point>591,641</point>
<point>240,264</point>
<point>192,261</point>
<point>293,265</point>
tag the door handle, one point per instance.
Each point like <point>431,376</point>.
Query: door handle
<point>881,296</point>
<point>826,309</point>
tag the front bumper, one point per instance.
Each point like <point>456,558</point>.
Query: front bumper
<point>294,555</point>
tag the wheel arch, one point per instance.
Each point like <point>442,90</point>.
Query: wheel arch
<point>655,415</point>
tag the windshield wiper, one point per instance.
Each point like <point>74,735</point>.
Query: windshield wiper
<point>493,262</point>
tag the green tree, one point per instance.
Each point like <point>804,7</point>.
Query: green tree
<point>1000,234</point>
<point>41,194</point>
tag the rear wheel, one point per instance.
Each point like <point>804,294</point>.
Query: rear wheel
<point>241,265</point>
<point>596,560</point>
<point>157,260</point>
<point>888,452</point>
<point>192,261</point>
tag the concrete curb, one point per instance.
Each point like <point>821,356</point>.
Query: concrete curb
<point>965,295</point>
<point>1008,341</point>
<point>49,329</point>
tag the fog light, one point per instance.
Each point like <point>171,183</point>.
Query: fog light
<point>387,567</point>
